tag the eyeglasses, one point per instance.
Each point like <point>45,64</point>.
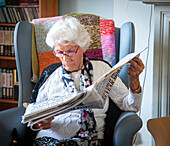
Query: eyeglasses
<point>60,54</point>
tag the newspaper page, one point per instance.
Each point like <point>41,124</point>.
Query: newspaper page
<point>93,97</point>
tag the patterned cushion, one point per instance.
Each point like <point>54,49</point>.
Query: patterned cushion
<point>102,45</point>
<point>42,51</point>
<point>107,30</point>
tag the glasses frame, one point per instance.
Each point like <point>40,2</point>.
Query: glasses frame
<point>60,54</point>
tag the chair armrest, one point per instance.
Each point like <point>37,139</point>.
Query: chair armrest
<point>10,119</point>
<point>127,125</point>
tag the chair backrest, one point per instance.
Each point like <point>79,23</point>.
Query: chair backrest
<point>124,41</point>
<point>160,130</point>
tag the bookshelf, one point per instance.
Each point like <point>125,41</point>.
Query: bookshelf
<point>47,8</point>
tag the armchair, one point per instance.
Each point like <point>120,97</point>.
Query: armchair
<point>120,127</point>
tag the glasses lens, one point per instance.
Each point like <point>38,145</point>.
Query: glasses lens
<point>60,53</point>
<point>70,54</point>
<point>57,54</point>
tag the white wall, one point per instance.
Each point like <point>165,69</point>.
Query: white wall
<point>103,8</point>
<point>139,14</point>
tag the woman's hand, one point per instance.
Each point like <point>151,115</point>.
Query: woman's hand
<point>135,69</point>
<point>45,124</point>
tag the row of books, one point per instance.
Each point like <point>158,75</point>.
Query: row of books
<point>16,2</point>
<point>8,80</point>
<point>7,41</point>
<point>14,14</point>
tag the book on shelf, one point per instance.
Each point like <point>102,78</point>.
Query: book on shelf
<point>8,78</point>
<point>16,85</point>
<point>16,13</point>
<point>1,40</point>
<point>9,84</point>
<point>35,4</point>
<point>2,17</point>
<point>1,82</point>
<point>4,85</point>
<point>6,15</point>
<point>16,92</point>
<point>92,97</point>
<point>15,77</point>
<point>7,41</point>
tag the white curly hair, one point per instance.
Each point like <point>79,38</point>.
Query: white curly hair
<point>68,31</point>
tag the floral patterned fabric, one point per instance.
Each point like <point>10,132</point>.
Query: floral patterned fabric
<point>48,141</point>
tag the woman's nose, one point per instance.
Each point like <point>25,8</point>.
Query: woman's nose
<point>65,57</point>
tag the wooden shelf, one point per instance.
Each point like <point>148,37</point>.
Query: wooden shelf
<point>3,100</point>
<point>7,58</point>
<point>7,104</point>
<point>7,24</point>
<point>7,62</point>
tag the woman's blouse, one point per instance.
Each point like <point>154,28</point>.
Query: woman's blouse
<point>66,125</point>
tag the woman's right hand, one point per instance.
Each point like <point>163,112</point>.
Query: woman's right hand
<point>45,124</point>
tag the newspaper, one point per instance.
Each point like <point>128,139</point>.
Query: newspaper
<point>92,97</point>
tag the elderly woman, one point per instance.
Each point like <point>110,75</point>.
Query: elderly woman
<point>69,41</point>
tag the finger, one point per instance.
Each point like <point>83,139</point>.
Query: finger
<point>36,126</point>
<point>139,61</point>
<point>47,120</point>
<point>136,67</point>
<point>44,126</point>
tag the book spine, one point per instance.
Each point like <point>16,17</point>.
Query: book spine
<point>35,14</point>
<point>1,82</point>
<point>24,14</point>
<point>27,14</point>
<point>8,41</point>
<point>7,14</point>
<point>7,83</point>
<point>16,92</point>
<point>29,4</point>
<point>12,42</point>
<point>21,14</point>
<point>4,84</point>
<point>16,84</point>
<point>15,14</point>
<point>18,13</point>
<point>3,12</point>
<point>5,41</point>
<point>10,15</point>
<point>11,84</point>
<point>2,17</point>
<point>31,13</point>
<point>1,41</point>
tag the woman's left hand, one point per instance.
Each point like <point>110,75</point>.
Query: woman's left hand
<point>135,69</point>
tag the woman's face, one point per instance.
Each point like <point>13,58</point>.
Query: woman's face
<point>71,56</point>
